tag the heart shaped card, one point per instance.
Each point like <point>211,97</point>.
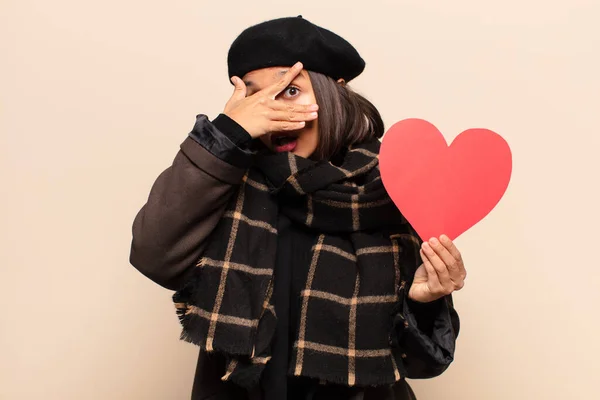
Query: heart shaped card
<point>441,188</point>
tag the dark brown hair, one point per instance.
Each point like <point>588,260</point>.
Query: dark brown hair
<point>345,117</point>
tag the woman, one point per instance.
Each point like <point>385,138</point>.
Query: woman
<point>293,270</point>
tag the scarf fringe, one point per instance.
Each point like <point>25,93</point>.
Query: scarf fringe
<point>190,332</point>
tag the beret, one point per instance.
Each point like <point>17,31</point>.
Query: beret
<point>285,41</point>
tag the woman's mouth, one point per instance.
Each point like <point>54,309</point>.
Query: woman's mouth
<point>284,142</point>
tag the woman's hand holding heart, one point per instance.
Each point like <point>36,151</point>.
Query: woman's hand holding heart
<point>441,273</point>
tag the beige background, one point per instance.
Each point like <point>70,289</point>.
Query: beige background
<point>96,96</point>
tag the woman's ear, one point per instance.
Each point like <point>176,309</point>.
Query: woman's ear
<point>341,81</point>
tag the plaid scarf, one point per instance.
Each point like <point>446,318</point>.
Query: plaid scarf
<point>364,253</point>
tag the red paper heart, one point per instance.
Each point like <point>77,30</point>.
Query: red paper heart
<point>443,189</point>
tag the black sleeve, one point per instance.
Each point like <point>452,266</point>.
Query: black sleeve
<point>424,314</point>
<point>234,131</point>
<point>426,334</point>
<point>185,204</point>
<point>219,141</point>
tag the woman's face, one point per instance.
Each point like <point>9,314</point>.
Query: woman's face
<point>302,142</point>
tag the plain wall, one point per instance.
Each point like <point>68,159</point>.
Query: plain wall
<point>95,98</point>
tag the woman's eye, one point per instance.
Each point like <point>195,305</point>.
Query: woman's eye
<point>291,91</point>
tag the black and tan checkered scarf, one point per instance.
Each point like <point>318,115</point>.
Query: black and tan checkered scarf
<point>364,253</point>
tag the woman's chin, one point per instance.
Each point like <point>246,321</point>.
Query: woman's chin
<point>302,153</point>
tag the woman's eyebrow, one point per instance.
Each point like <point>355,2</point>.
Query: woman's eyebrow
<point>285,71</point>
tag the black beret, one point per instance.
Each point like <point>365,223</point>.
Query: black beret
<point>285,41</point>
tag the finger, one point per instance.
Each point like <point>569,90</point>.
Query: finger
<point>280,126</point>
<point>433,281</point>
<point>439,265</point>
<point>239,90</point>
<point>452,249</point>
<point>449,245</point>
<point>284,82</point>
<point>292,116</point>
<point>279,105</point>
<point>445,255</point>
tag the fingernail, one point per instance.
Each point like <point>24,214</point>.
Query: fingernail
<point>314,107</point>
<point>433,241</point>
<point>313,114</point>
<point>298,65</point>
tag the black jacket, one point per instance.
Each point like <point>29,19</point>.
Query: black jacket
<point>169,234</point>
